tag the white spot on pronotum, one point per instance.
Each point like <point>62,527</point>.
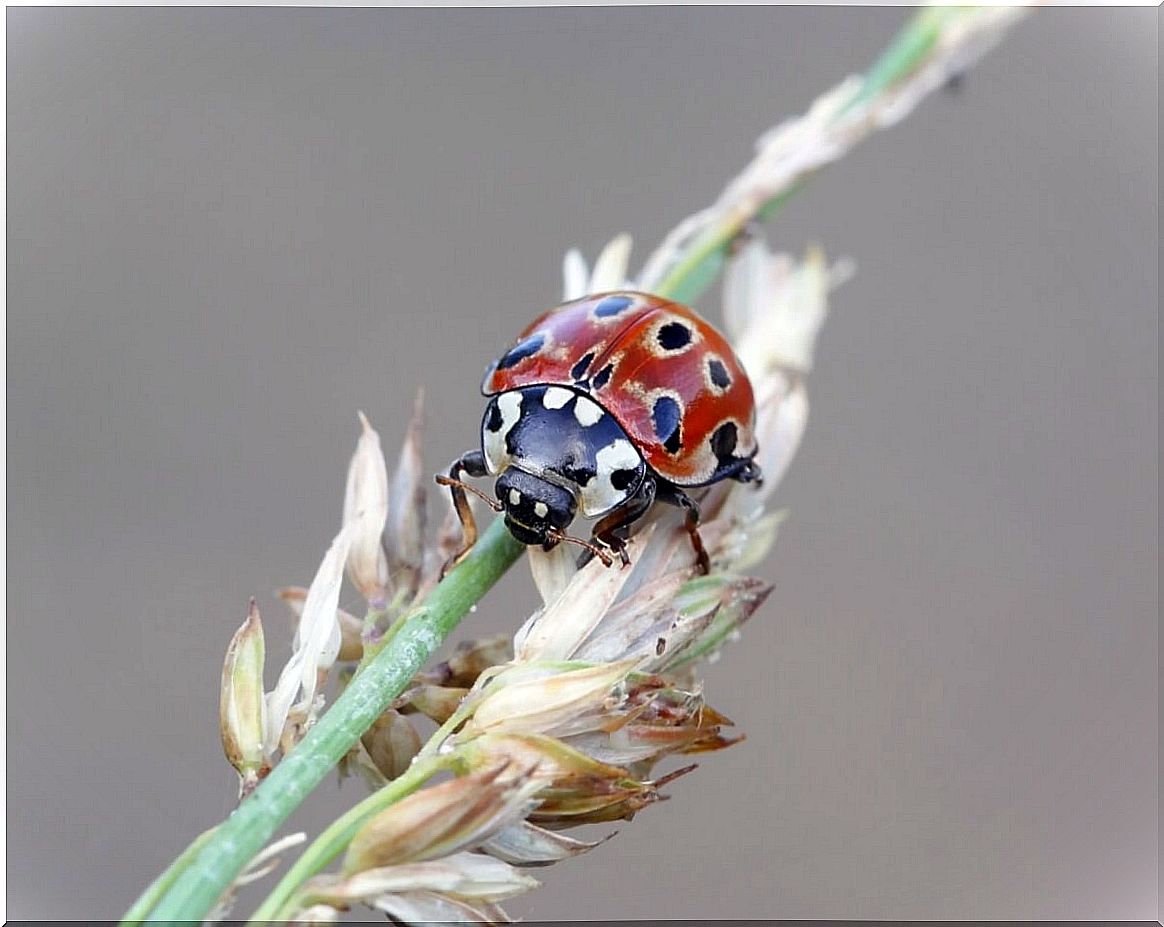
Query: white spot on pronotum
<point>493,442</point>
<point>541,510</point>
<point>618,455</point>
<point>514,497</point>
<point>599,495</point>
<point>496,456</point>
<point>510,406</point>
<point>556,397</point>
<point>587,412</point>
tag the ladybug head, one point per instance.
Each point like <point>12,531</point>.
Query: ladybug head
<point>536,510</point>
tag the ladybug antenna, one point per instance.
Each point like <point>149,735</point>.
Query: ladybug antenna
<point>593,548</point>
<point>489,500</point>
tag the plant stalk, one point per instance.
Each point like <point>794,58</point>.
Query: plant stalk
<point>236,841</point>
<point>706,256</point>
<point>159,886</point>
<point>335,839</point>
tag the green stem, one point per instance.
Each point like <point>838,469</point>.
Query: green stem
<point>695,272</point>
<point>907,50</point>
<point>245,832</point>
<point>159,886</point>
<point>373,647</point>
<point>333,841</point>
<point>706,255</point>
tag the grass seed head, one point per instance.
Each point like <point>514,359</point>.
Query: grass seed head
<point>351,627</point>
<point>241,707</point>
<point>391,743</point>
<point>442,819</point>
<point>366,510</point>
<point>404,534</point>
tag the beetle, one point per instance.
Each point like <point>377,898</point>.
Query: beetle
<point>602,407</point>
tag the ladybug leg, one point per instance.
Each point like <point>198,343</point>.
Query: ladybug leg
<point>471,463</point>
<point>612,531</point>
<point>750,473</point>
<point>742,471</point>
<point>673,495</point>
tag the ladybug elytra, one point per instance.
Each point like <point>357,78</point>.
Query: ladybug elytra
<point>602,407</point>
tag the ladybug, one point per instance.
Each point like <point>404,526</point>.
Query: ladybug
<point>602,407</point>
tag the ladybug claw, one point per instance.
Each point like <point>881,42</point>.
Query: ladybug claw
<point>615,546</point>
<point>454,561</point>
<point>591,549</point>
<point>751,473</point>
<point>606,559</point>
<point>587,555</point>
<point>618,551</point>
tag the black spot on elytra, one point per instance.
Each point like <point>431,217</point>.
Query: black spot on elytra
<point>603,376</point>
<point>578,371</point>
<point>520,351</point>
<point>622,479</point>
<point>493,422</point>
<point>674,336</point>
<point>667,418</point>
<point>723,441</point>
<point>612,305</point>
<point>718,373</point>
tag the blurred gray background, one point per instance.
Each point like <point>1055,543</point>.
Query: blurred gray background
<point>228,230</point>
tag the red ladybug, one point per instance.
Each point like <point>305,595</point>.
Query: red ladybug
<point>602,407</point>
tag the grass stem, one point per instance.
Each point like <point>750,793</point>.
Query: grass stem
<point>217,863</point>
